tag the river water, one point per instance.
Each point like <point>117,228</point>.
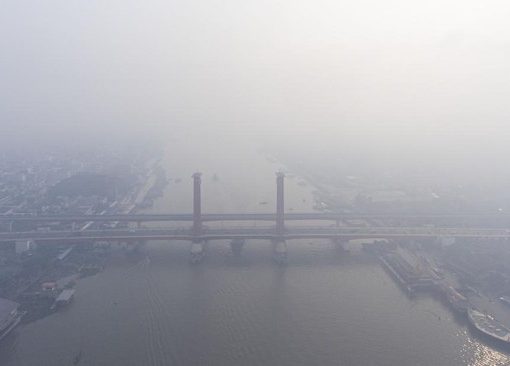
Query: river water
<point>324,308</point>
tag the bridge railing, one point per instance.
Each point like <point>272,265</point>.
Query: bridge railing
<point>266,231</point>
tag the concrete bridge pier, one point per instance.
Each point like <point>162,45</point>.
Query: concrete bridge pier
<point>280,252</point>
<point>341,245</point>
<point>136,244</point>
<point>133,247</point>
<point>197,252</point>
<point>236,246</point>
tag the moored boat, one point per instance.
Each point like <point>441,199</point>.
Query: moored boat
<point>488,325</point>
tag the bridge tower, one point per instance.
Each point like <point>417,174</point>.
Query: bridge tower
<point>197,204</point>
<point>279,245</point>
<point>197,246</point>
<point>280,205</point>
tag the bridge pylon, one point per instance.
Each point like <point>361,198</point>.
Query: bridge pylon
<point>280,203</point>
<point>197,204</point>
<point>197,246</point>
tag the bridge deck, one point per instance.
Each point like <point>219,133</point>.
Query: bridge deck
<point>248,217</point>
<point>259,233</point>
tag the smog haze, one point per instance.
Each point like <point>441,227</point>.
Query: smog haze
<point>393,75</point>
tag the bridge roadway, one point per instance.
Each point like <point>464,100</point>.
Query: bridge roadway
<point>313,216</point>
<point>268,233</point>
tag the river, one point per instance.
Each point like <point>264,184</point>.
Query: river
<point>324,308</point>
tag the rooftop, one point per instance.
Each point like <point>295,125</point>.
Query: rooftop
<point>65,295</point>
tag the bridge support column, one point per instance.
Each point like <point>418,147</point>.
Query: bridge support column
<point>280,205</point>
<point>341,245</point>
<point>280,252</point>
<point>197,204</point>
<point>236,246</point>
<point>197,252</point>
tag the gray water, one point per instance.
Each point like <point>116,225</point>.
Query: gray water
<point>324,308</point>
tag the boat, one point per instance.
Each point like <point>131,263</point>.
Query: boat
<point>488,325</point>
<point>10,317</point>
<point>505,300</point>
<point>390,265</point>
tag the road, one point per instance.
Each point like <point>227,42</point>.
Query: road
<point>253,232</point>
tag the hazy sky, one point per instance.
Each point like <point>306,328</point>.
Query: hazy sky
<point>400,74</point>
